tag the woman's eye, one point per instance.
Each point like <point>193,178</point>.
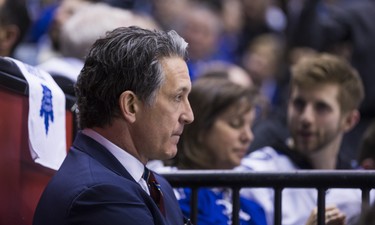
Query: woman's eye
<point>235,123</point>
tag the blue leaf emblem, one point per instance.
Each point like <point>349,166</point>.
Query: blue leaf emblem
<point>46,109</point>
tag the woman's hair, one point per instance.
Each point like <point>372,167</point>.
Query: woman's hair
<point>127,58</point>
<point>209,98</point>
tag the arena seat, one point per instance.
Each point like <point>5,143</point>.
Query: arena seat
<point>22,180</point>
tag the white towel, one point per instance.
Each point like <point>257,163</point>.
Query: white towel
<point>46,121</point>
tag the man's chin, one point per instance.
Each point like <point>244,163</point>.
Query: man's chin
<point>170,153</point>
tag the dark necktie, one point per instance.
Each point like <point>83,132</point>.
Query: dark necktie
<point>155,190</point>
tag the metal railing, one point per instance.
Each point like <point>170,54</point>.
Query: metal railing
<point>321,180</point>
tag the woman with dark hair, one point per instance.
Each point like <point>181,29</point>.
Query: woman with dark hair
<point>218,139</point>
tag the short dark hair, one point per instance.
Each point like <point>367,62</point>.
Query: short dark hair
<point>127,58</point>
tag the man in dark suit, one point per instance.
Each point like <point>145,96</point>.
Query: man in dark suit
<point>132,97</point>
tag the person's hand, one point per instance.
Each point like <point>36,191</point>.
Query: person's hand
<point>333,216</point>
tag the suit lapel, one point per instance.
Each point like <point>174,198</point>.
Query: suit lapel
<point>100,153</point>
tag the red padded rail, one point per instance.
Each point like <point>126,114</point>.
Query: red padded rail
<point>21,180</point>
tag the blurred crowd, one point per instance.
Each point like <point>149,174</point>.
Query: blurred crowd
<point>262,37</point>
<point>251,42</point>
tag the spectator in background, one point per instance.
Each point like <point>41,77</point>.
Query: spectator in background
<point>325,93</point>
<point>218,139</point>
<point>346,28</point>
<point>263,61</point>
<point>168,12</point>
<point>49,44</point>
<point>75,36</point>
<point>14,24</point>
<point>202,27</point>
<point>132,97</point>
<point>259,17</point>
<point>79,32</point>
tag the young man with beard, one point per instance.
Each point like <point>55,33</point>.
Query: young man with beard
<point>325,93</point>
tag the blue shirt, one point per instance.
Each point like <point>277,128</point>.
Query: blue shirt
<point>215,207</point>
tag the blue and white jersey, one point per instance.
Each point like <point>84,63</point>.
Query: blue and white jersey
<point>214,204</point>
<point>215,207</point>
<point>297,203</point>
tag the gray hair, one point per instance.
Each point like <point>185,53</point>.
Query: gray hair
<point>127,58</point>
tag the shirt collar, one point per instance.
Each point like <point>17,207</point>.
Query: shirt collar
<point>131,164</point>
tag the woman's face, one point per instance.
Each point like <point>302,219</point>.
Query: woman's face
<point>230,137</point>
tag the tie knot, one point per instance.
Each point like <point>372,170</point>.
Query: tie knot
<point>149,177</point>
<point>146,174</point>
<point>154,188</point>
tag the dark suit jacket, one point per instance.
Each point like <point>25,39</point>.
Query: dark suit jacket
<point>92,187</point>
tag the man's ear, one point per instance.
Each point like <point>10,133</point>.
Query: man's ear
<point>129,105</point>
<point>351,119</point>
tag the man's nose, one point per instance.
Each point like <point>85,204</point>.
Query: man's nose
<point>188,115</point>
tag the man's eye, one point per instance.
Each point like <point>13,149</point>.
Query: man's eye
<point>321,107</point>
<point>299,104</point>
<point>178,98</point>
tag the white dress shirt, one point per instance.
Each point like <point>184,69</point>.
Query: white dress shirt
<point>129,162</point>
